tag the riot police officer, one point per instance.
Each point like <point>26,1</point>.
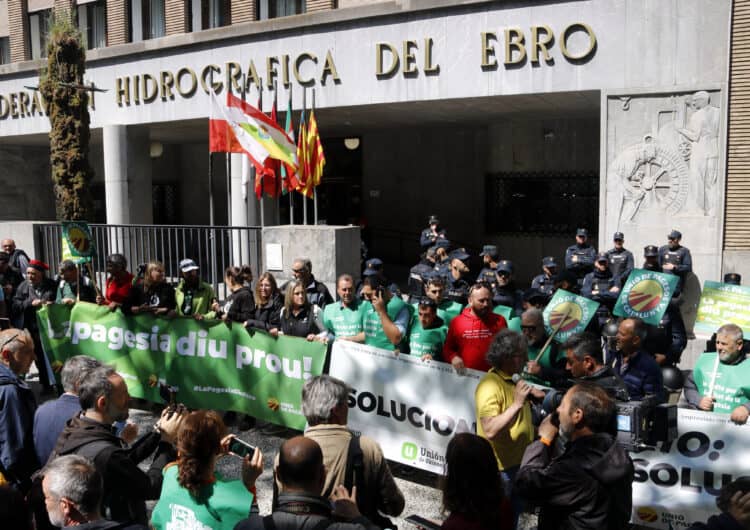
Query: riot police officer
<point>621,261</point>
<point>490,257</point>
<point>458,277</point>
<point>651,258</point>
<point>674,258</point>
<point>579,258</point>
<point>432,234</point>
<point>419,273</point>
<point>545,282</point>
<point>505,292</point>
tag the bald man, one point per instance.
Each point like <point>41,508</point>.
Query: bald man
<point>302,475</point>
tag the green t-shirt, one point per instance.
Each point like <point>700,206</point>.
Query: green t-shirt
<point>427,341</point>
<point>732,387</point>
<point>546,361</point>
<point>374,334</point>
<point>343,321</point>
<point>447,310</point>
<point>228,502</point>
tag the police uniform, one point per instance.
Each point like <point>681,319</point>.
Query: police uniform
<point>579,259</point>
<point>621,262</point>
<point>427,238</point>
<point>457,290</point>
<point>543,283</point>
<point>596,286</point>
<point>679,257</point>
<point>487,274</point>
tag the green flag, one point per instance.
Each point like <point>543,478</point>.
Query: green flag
<point>720,304</point>
<point>78,245</point>
<point>646,295</point>
<point>213,364</point>
<point>568,313</point>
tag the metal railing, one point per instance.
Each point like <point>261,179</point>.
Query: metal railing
<point>213,248</point>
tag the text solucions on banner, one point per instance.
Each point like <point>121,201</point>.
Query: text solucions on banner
<point>410,407</point>
<point>677,484</point>
<point>213,364</point>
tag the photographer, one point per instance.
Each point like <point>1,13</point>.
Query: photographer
<point>590,484</point>
<point>104,400</point>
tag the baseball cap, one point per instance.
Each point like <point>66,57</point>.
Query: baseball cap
<point>433,220</point>
<point>459,254</point>
<point>602,256</point>
<point>619,236</point>
<point>489,250</point>
<point>188,265</point>
<point>732,278</point>
<point>675,234</point>
<point>372,266</point>
<point>549,261</point>
<point>442,243</point>
<point>650,251</point>
<point>505,266</point>
<point>582,232</point>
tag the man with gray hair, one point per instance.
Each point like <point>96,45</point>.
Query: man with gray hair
<point>73,492</point>
<point>346,455</point>
<point>51,417</point>
<point>720,381</point>
<point>317,292</point>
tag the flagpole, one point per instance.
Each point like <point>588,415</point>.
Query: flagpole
<point>255,183</point>
<point>277,177</point>
<point>211,169</point>
<point>315,188</point>
<point>304,197</point>
<point>243,95</point>
<point>291,197</point>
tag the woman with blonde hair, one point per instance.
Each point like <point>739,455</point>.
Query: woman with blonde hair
<point>268,304</point>
<point>300,318</point>
<point>154,294</point>
<point>193,484</point>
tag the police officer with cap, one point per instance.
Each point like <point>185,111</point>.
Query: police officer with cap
<point>505,292</point>
<point>458,277</point>
<point>419,273</point>
<point>651,258</point>
<point>374,267</point>
<point>621,261</point>
<point>579,258</point>
<point>601,286</point>
<point>442,258</point>
<point>490,256</point>
<point>545,282</point>
<point>674,258</point>
<point>432,234</point>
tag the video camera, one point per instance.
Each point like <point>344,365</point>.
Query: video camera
<point>639,425</point>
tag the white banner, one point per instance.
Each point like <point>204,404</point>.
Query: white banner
<point>411,408</point>
<point>677,484</point>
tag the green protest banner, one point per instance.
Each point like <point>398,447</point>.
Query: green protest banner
<point>77,245</point>
<point>646,295</point>
<point>568,313</point>
<point>213,364</point>
<point>720,304</point>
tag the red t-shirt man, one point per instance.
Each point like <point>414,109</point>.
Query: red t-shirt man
<point>471,332</point>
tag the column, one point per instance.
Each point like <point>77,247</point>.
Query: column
<point>139,175</point>
<point>240,242</point>
<point>115,146</point>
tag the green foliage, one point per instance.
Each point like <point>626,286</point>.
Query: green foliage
<point>67,108</point>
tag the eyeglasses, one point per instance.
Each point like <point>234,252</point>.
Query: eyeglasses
<point>528,328</point>
<point>298,271</point>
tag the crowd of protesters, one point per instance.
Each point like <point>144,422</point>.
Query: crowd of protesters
<point>75,464</point>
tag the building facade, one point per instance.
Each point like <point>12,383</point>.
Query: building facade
<point>515,123</point>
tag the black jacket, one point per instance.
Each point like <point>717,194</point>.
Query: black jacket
<point>303,512</point>
<point>160,295</point>
<point>240,305</point>
<point>27,293</point>
<point>266,317</point>
<point>723,521</point>
<point>17,406</point>
<point>589,486</point>
<point>126,487</point>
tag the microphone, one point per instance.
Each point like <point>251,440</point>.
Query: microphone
<point>516,378</point>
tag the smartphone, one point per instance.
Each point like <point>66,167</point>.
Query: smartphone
<point>380,290</point>
<point>421,521</point>
<point>240,448</point>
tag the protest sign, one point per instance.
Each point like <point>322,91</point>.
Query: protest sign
<point>213,364</point>
<point>410,407</point>
<point>77,244</point>
<point>646,295</point>
<point>568,313</point>
<point>722,303</point>
<point>677,484</point>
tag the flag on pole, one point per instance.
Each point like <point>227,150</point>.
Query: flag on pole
<point>302,167</point>
<point>239,127</point>
<point>316,159</point>
<point>289,180</point>
<point>272,167</point>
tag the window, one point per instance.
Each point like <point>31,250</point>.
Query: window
<point>279,8</point>
<point>542,203</point>
<point>4,50</point>
<point>92,21</point>
<point>207,14</point>
<point>147,20</point>
<point>38,29</point>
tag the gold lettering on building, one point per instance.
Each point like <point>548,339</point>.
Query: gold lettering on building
<point>271,72</point>
<point>302,57</point>
<point>23,103</point>
<point>122,90</point>
<point>429,68</point>
<point>543,44</point>
<point>410,60</point>
<point>4,107</point>
<point>380,49</point>
<point>564,41</point>
<point>192,87</point>
<point>488,50</point>
<point>150,88</point>
<point>329,69</point>
<point>167,85</point>
<point>514,41</point>
<point>234,76</point>
<point>136,90</point>
<point>285,71</point>
<point>208,75</point>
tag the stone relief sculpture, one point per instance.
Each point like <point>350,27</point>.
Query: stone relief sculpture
<point>673,170</point>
